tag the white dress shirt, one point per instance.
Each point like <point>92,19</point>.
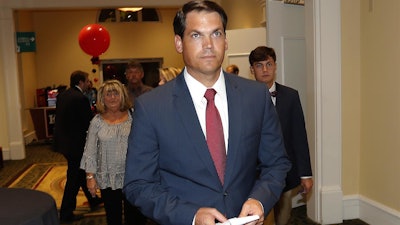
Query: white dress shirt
<point>273,88</point>
<point>197,91</point>
<point>77,86</point>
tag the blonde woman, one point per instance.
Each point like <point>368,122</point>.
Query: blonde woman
<point>167,74</point>
<point>105,150</point>
<point>233,69</point>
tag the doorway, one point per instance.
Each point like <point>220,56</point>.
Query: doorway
<point>115,69</point>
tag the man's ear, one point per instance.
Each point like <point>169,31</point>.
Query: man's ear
<point>178,44</point>
<point>251,70</point>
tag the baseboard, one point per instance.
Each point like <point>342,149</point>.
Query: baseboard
<point>30,137</point>
<point>369,211</point>
<point>6,153</point>
<point>331,204</point>
<point>351,207</point>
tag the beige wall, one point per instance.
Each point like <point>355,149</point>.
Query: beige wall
<point>380,104</point>
<point>3,112</point>
<point>57,39</point>
<point>58,52</point>
<point>243,13</point>
<point>351,96</point>
<point>370,97</point>
<point>28,79</point>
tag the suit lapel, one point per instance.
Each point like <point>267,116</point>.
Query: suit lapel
<point>279,97</point>
<point>235,125</point>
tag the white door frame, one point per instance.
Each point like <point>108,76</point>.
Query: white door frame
<point>323,38</point>
<point>323,106</point>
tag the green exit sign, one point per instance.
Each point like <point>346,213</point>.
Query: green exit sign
<point>26,42</point>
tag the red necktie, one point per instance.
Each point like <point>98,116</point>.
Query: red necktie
<point>215,134</point>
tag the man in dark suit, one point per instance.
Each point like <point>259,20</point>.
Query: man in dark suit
<point>287,102</point>
<point>170,172</point>
<point>73,115</point>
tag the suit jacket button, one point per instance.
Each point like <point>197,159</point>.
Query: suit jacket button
<point>225,194</point>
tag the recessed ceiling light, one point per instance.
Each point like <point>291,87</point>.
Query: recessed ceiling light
<point>131,9</point>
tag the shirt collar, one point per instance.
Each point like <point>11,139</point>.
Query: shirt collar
<point>273,88</point>
<point>197,89</point>
<point>79,88</point>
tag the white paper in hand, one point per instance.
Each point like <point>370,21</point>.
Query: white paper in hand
<point>240,221</point>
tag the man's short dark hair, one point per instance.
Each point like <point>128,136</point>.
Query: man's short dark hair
<point>77,76</point>
<point>134,64</point>
<point>197,5</point>
<point>261,53</point>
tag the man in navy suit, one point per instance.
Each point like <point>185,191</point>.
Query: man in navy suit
<point>170,173</point>
<point>287,102</point>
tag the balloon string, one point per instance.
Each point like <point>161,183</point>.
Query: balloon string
<point>95,60</point>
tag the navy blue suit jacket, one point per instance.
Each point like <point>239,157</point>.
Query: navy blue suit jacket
<point>73,115</point>
<point>169,171</point>
<point>291,117</point>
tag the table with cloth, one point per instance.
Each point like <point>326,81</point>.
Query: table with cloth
<point>27,207</point>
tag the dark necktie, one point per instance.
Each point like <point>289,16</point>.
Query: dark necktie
<point>273,93</point>
<point>215,134</point>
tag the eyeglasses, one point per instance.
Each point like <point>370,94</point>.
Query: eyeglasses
<point>260,65</point>
<point>112,93</point>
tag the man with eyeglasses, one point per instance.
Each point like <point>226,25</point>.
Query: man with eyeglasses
<point>287,103</point>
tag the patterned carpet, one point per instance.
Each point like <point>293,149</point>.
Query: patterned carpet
<point>51,178</point>
<point>39,153</point>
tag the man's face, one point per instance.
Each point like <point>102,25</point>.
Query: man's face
<point>84,85</point>
<point>264,71</point>
<point>203,44</point>
<point>134,75</point>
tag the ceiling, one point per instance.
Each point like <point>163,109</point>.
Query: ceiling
<point>71,4</point>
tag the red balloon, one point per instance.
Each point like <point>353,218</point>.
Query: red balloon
<point>94,39</point>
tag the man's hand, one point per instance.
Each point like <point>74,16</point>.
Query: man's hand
<point>307,185</point>
<point>253,207</point>
<point>207,216</point>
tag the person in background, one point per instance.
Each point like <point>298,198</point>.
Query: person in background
<point>232,69</point>
<point>134,74</point>
<point>73,116</point>
<point>288,106</point>
<point>182,170</point>
<point>105,151</point>
<point>167,74</point>
<point>91,94</point>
